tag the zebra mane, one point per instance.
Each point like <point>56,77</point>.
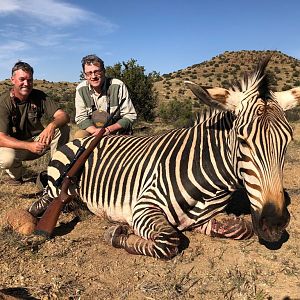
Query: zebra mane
<point>204,115</point>
<point>258,80</point>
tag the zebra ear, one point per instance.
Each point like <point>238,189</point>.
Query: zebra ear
<point>218,98</point>
<point>288,99</point>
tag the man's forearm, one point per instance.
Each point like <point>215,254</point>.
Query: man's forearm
<point>10,142</point>
<point>114,127</point>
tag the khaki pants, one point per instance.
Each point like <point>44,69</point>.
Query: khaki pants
<point>11,159</point>
<point>81,133</point>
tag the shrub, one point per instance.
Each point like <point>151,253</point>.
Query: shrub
<point>176,112</point>
<point>286,87</point>
<point>293,114</point>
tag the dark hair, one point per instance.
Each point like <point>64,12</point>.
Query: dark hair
<point>21,65</point>
<point>92,59</point>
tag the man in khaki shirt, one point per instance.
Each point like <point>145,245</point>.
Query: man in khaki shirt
<point>22,135</point>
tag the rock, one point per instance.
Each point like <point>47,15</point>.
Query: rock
<point>21,221</point>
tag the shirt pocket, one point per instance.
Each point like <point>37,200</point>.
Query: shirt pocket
<point>32,116</point>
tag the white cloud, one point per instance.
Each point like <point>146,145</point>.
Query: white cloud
<point>8,6</point>
<point>12,47</point>
<point>52,12</point>
<point>33,30</point>
<point>10,52</point>
<point>49,11</point>
<point>50,39</point>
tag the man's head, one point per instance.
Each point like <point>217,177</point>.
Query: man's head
<point>22,79</point>
<point>93,70</point>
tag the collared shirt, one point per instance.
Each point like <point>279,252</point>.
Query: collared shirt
<point>100,100</point>
<point>113,91</point>
<point>22,119</point>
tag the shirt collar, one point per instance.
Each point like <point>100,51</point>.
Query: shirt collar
<point>16,100</point>
<point>103,88</point>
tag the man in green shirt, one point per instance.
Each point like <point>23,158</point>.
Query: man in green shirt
<point>22,135</point>
<point>97,97</point>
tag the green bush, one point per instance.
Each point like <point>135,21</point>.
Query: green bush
<point>293,114</point>
<point>176,112</point>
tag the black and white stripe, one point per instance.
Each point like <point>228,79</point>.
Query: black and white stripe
<point>163,184</point>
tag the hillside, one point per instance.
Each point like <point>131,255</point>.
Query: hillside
<point>55,88</point>
<point>221,70</point>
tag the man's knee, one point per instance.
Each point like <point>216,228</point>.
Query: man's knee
<point>81,134</point>
<point>7,157</point>
<point>61,137</point>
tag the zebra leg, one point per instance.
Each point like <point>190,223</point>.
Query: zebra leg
<point>227,226</point>
<point>160,239</point>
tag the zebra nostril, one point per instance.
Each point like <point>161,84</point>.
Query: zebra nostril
<point>274,217</point>
<point>273,225</point>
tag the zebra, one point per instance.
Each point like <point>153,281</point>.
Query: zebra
<point>159,186</point>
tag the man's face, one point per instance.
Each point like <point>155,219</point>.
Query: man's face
<point>23,83</point>
<point>94,75</point>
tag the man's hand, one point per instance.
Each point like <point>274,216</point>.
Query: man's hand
<point>47,134</point>
<point>97,130</point>
<point>37,147</point>
<point>92,130</point>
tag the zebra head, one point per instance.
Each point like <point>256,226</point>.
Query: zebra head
<point>258,141</point>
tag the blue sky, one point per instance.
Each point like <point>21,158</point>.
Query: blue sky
<point>163,36</point>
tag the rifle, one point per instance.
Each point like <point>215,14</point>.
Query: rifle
<point>49,219</point>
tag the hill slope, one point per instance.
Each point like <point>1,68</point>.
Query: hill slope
<point>52,88</point>
<point>221,70</point>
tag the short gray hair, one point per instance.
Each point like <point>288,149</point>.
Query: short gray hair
<point>21,65</point>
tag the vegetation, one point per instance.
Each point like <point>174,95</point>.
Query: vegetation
<point>140,87</point>
<point>226,68</point>
<point>176,112</point>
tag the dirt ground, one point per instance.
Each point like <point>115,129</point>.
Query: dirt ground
<point>77,263</point>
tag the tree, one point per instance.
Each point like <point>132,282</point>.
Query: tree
<point>81,76</point>
<point>140,86</point>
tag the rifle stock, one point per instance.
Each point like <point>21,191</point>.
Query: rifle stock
<point>49,219</point>
<point>48,222</point>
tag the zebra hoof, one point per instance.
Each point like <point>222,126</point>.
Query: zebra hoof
<point>113,234</point>
<point>232,227</point>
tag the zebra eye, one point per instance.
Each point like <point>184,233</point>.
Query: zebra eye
<point>243,142</point>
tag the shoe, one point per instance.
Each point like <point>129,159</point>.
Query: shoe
<point>42,180</point>
<point>38,207</point>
